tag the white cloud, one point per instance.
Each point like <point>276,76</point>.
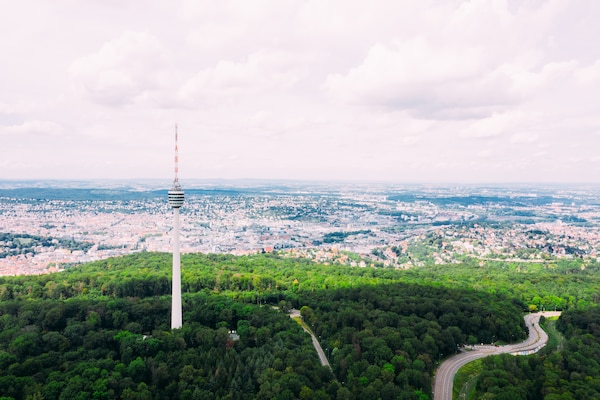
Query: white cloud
<point>11,108</point>
<point>122,70</point>
<point>405,74</point>
<point>471,60</point>
<point>431,80</point>
<point>237,26</point>
<point>259,73</point>
<point>419,89</point>
<point>589,75</point>
<point>524,137</point>
<point>35,127</point>
<point>494,126</point>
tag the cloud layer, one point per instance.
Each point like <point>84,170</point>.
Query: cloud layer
<point>411,91</point>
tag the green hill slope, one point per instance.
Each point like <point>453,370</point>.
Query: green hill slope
<point>102,330</point>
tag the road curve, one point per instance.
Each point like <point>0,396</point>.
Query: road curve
<point>444,377</point>
<point>324,361</point>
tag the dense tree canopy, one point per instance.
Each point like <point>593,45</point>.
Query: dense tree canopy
<point>102,330</point>
<point>570,372</point>
<point>122,348</point>
<point>394,334</point>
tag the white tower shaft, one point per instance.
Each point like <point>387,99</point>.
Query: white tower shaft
<point>176,307</point>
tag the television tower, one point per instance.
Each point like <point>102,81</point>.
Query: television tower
<point>176,201</point>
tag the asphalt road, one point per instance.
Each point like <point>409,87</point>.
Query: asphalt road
<point>316,344</point>
<point>444,377</point>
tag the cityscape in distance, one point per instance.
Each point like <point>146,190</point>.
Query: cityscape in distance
<point>47,226</point>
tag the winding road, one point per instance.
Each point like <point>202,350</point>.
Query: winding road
<point>324,361</point>
<point>444,377</point>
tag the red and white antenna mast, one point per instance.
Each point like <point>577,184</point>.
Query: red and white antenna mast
<point>176,193</point>
<point>176,157</point>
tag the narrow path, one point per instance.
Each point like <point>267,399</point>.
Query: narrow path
<point>295,314</point>
<point>444,377</point>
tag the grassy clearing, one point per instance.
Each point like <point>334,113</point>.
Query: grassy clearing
<point>303,324</point>
<point>465,380</point>
<point>555,338</point>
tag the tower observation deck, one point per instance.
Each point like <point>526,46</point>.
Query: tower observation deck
<point>176,195</point>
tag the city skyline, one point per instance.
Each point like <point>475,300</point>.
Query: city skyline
<point>412,91</point>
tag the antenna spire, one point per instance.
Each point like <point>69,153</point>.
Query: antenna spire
<point>176,192</point>
<point>176,157</point>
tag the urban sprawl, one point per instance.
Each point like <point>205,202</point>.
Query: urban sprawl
<point>362,226</point>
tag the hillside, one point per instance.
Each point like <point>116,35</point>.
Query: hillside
<point>102,330</point>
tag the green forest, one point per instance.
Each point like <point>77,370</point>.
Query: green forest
<point>102,330</point>
<point>571,373</point>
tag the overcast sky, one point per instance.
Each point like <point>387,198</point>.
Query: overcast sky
<point>405,91</point>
